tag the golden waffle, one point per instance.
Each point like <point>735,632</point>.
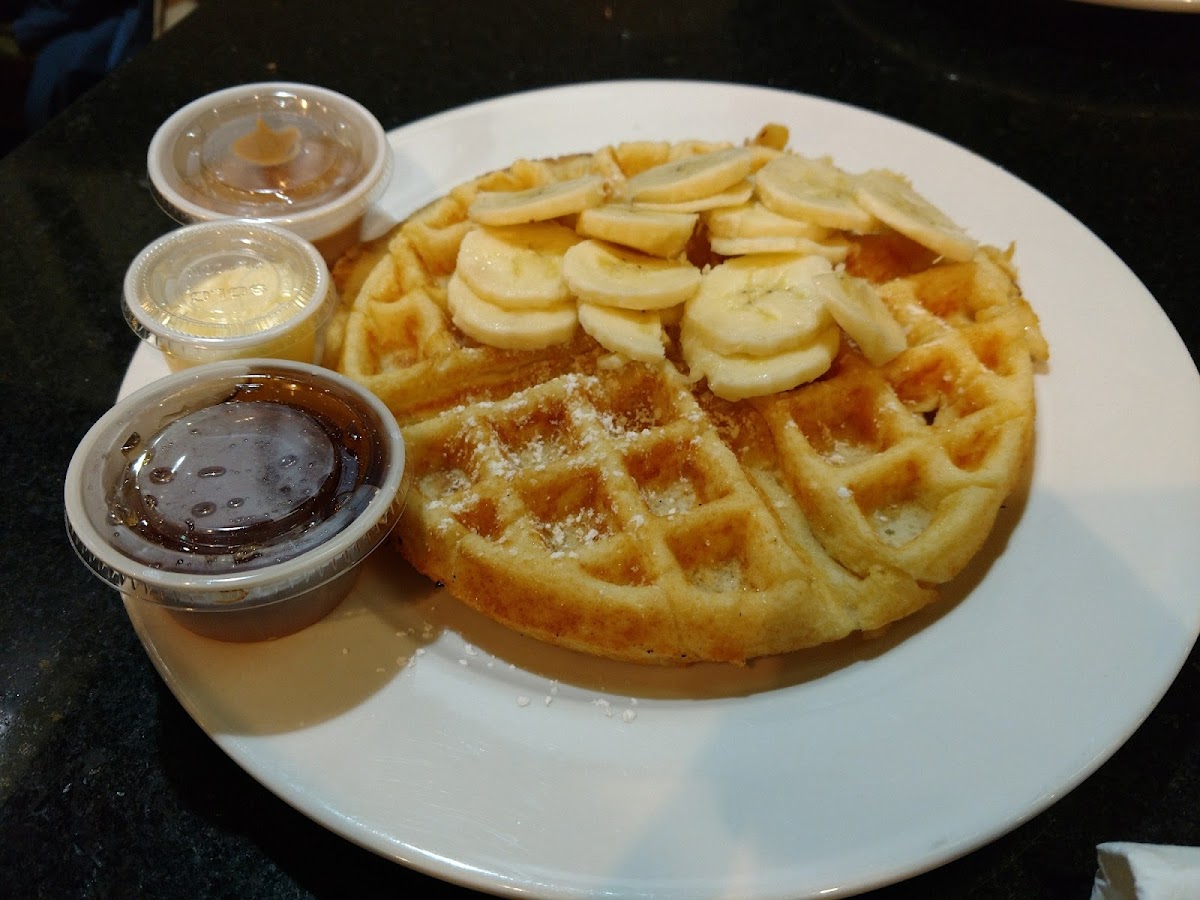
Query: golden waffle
<point>621,508</point>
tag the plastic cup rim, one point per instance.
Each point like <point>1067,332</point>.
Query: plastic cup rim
<point>312,223</point>
<point>162,333</point>
<point>85,531</point>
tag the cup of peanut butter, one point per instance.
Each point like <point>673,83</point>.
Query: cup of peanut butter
<point>230,289</point>
<point>303,157</point>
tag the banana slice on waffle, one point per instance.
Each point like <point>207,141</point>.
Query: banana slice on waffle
<point>650,231</point>
<point>691,179</point>
<point>603,273</point>
<point>537,204</point>
<point>635,431</point>
<point>517,266</point>
<point>812,190</point>
<point>892,199</point>
<point>635,334</point>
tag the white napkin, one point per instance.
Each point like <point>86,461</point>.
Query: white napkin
<point>1131,871</point>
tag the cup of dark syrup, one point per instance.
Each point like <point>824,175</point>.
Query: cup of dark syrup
<point>240,496</point>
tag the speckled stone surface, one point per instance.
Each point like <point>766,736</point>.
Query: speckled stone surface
<point>107,787</point>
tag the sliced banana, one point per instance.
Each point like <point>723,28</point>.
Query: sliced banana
<point>658,233</point>
<point>772,135</point>
<point>692,177</point>
<point>508,329</point>
<point>813,190</point>
<point>637,334</point>
<point>893,200</point>
<point>734,377</point>
<point>750,246</point>
<point>857,307</point>
<point>538,204</point>
<point>753,220</point>
<point>767,319</point>
<point>739,193</point>
<point>762,155</point>
<point>517,266</point>
<point>598,272</point>
<point>759,306</point>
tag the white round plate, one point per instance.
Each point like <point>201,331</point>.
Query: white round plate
<point>415,728</point>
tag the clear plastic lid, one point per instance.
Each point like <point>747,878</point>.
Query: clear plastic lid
<point>188,431</point>
<point>304,157</point>
<point>230,286</point>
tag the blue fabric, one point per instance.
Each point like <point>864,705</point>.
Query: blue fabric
<point>76,42</point>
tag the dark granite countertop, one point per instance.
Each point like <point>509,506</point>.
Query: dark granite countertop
<point>107,787</point>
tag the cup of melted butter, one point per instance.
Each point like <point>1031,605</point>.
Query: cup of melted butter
<point>304,157</point>
<point>230,289</point>
<point>240,497</point>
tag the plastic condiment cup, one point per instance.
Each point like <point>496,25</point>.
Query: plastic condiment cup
<point>304,157</point>
<point>241,497</point>
<point>232,289</point>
